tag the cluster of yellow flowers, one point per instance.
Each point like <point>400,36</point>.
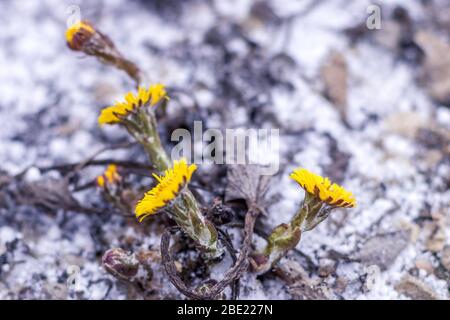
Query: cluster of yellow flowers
<point>175,178</point>
<point>321,187</point>
<point>171,193</point>
<point>114,113</point>
<point>110,176</point>
<point>179,175</point>
<point>167,189</point>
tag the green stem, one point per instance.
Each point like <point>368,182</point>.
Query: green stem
<point>185,211</point>
<point>286,236</point>
<point>187,215</point>
<point>147,135</point>
<point>156,153</point>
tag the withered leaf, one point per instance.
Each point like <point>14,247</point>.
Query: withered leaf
<point>247,182</point>
<point>50,194</point>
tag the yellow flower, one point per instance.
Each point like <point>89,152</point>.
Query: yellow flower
<point>101,181</point>
<point>157,92</point>
<point>77,33</point>
<point>113,114</point>
<point>167,189</point>
<point>321,187</point>
<point>110,176</point>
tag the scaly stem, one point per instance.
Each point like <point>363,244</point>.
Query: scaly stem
<point>286,236</point>
<point>144,130</point>
<point>187,215</point>
<point>185,210</point>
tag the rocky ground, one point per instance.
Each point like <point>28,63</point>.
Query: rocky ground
<point>368,108</point>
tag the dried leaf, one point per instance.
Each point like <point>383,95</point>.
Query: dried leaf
<point>246,182</point>
<point>50,194</point>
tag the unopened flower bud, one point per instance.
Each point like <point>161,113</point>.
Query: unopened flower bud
<point>120,263</point>
<point>83,36</point>
<point>78,34</point>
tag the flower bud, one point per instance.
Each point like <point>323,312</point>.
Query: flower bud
<point>78,34</point>
<point>120,263</point>
<point>82,36</point>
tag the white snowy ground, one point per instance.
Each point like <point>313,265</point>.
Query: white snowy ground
<point>50,98</point>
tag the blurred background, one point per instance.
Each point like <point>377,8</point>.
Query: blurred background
<point>368,108</point>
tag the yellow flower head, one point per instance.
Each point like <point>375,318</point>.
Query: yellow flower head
<point>110,176</point>
<point>167,189</point>
<point>321,187</point>
<point>114,113</point>
<point>78,33</point>
<point>157,92</point>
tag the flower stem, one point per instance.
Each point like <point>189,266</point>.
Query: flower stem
<point>145,131</point>
<point>286,236</point>
<point>185,211</point>
<point>188,216</point>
